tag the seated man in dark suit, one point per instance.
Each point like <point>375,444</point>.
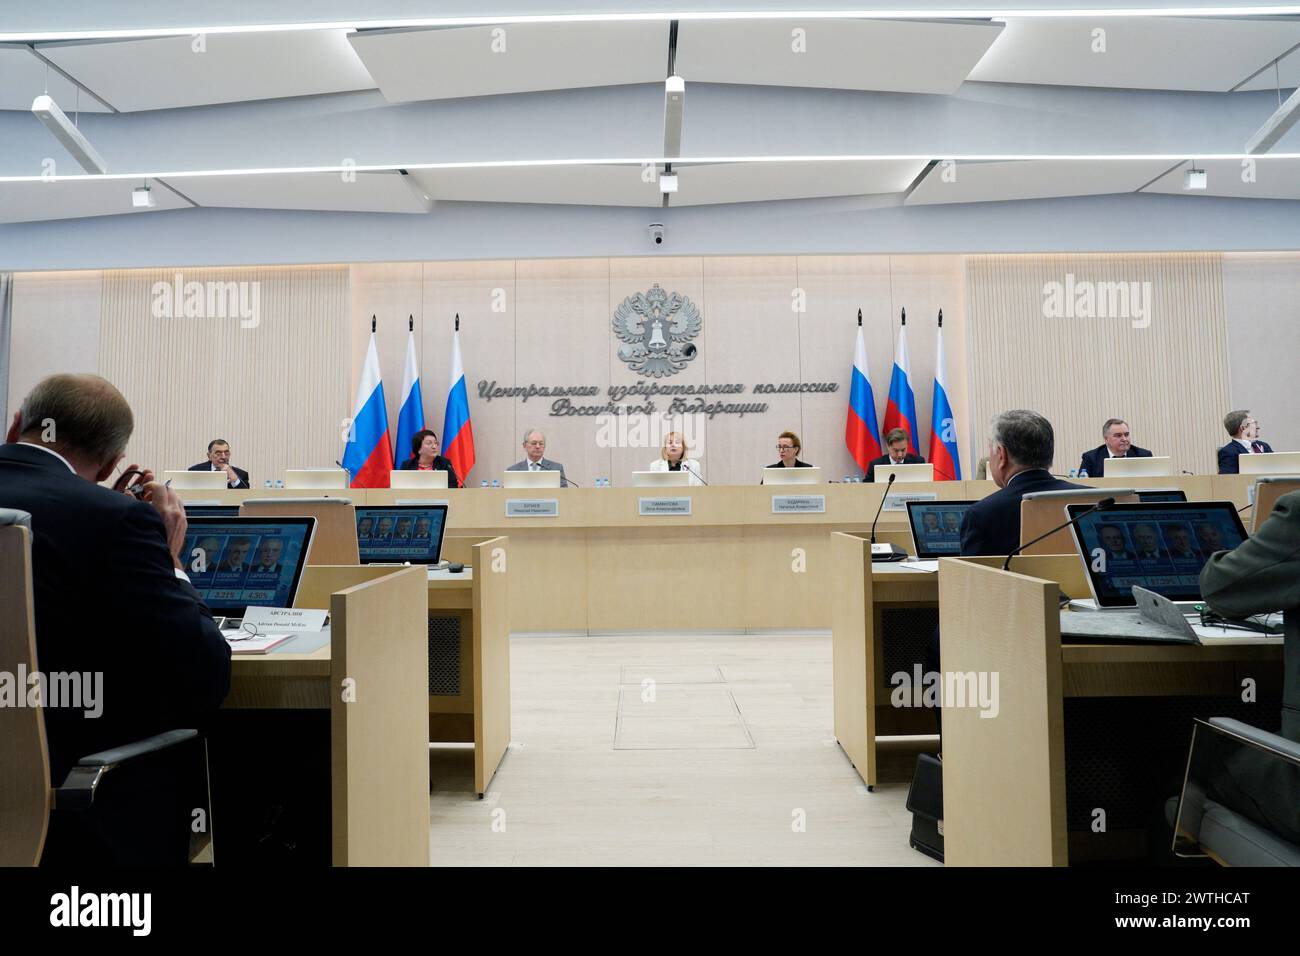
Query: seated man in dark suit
<point>110,598</point>
<point>219,460</point>
<point>1118,444</point>
<point>1021,449</point>
<point>1244,430</point>
<point>896,443</point>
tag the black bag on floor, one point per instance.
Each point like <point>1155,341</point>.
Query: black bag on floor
<point>925,803</point>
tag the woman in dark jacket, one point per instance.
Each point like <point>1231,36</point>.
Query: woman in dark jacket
<point>425,457</point>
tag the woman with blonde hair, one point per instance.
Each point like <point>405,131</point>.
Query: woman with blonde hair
<point>673,456</point>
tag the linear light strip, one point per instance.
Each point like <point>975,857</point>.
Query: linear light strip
<point>1227,10</point>
<point>677,161</point>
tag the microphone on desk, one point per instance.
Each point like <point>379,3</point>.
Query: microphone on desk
<point>566,481</point>
<point>1186,472</point>
<point>695,473</point>
<point>885,552</point>
<point>345,468</point>
<point>1102,505</point>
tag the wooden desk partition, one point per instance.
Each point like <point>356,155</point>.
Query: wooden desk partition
<point>378,717</point>
<point>1040,515</point>
<point>490,560</point>
<point>335,542</point>
<point>1004,776</point>
<point>1266,495</point>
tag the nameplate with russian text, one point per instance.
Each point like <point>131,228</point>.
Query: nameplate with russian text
<point>897,501</point>
<point>665,506</point>
<point>798,504</point>
<point>286,620</point>
<point>532,507</point>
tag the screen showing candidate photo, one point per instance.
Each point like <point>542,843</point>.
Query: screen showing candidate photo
<point>936,527</point>
<point>238,563</point>
<point>1158,547</point>
<point>395,534</point>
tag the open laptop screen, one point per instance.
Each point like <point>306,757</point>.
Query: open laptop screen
<point>392,534</point>
<point>936,527</point>
<point>1161,547</point>
<point>238,563</point>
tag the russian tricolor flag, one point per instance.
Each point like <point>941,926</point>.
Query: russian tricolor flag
<point>457,435</point>
<point>410,417</point>
<point>861,433</point>
<point>900,411</point>
<point>943,427</point>
<point>368,454</point>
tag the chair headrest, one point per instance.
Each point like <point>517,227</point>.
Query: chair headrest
<point>10,516</point>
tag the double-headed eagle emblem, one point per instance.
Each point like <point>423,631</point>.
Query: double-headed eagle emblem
<point>658,329</point>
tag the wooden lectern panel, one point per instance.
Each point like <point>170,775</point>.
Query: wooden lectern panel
<point>335,541</point>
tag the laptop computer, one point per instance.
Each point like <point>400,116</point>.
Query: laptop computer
<point>936,527</point>
<point>237,563</point>
<point>401,534</point>
<point>1160,547</point>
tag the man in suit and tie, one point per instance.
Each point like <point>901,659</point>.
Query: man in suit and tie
<point>896,445</point>
<point>102,558</point>
<point>535,457</point>
<point>268,556</point>
<point>1244,429</point>
<point>1021,449</point>
<point>1118,444</point>
<point>219,460</point>
<point>1147,540</point>
<point>1112,539</point>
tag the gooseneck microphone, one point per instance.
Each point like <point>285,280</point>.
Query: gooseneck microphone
<point>885,552</point>
<point>1102,505</point>
<point>695,473</point>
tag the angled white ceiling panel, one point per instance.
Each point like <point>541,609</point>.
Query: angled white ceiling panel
<point>516,58</point>
<point>763,182</point>
<point>362,192</point>
<point>75,199</point>
<point>1267,179</point>
<point>23,77</point>
<point>166,72</point>
<point>1153,53</point>
<point>1033,179</point>
<point>568,185</point>
<point>910,56</point>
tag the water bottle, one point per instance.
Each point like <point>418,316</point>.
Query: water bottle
<point>496,482</point>
<point>485,483</point>
<point>279,483</point>
<point>1083,472</point>
<point>1073,473</point>
<point>267,483</point>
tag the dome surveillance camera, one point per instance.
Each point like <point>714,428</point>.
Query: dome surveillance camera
<point>657,233</point>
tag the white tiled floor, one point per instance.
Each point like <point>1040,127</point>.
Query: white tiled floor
<point>725,770</point>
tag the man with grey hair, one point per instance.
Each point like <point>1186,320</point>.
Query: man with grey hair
<point>1117,442</point>
<point>535,457</point>
<point>1021,448</point>
<point>111,598</point>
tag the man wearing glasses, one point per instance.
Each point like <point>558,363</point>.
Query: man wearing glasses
<point>1244,429</point>
<point>535,457</point>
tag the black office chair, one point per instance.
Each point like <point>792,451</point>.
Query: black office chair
<point>28,804</point>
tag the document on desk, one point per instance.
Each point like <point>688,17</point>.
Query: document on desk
<point>241,643</point>
<point>927,566</point>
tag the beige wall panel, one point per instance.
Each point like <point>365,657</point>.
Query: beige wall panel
<point>55,328</point>
<point>751,336</point>
<point>561,339</point>
<point>476,290</point>
<point>1261,293</point>
<point>275,390</point>
<point>1169,379</point>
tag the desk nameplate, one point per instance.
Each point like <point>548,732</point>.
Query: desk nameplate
<point>897,500</point>
<point>663,506</point>
<point>798,504</point>
<point>532,507</point>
